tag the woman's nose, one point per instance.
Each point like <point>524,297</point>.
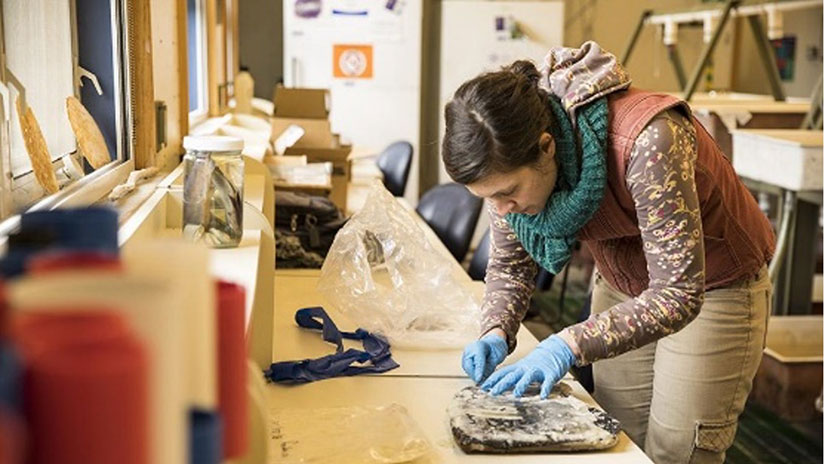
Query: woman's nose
<point>505,206</point>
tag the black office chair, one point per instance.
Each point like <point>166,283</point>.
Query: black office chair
<point>452,212</point>
<point>478,265</point>
<point>394,162</point>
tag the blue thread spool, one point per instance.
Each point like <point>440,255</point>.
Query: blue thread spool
<point>81,229</point>
<point>10,378</point>
<point>205,434</point>
<point>89,229</point>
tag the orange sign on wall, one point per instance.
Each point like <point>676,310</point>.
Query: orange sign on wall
<point>352,61</point>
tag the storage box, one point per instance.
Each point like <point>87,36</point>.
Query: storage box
<point>341,168</point>
<point>791,159</point>
<point>309,109</point>
<point>719,122</point>
<point>317,132</point>
<point>789,378</point>
<point>301,103</point>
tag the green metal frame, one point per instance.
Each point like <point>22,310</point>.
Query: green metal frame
<point>676,61</point>
<point>690,88</point>
<point>766,55</point>
<point>813,119</point>
<point>763,46</point>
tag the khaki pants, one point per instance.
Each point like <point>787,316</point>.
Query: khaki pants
<point>680,397</point>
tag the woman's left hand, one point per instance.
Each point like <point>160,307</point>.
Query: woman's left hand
<point>547,364</point>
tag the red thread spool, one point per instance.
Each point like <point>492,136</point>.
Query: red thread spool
<point>12,437</point>
<point>37,332</point>
<point>85,392</point>
<point>67,260</point>
<point>4,312</point>
<point>232,370</point>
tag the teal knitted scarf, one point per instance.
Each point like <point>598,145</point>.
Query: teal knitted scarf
<point>550,235</point>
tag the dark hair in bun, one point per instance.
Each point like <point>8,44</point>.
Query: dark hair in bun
<point>494,123</point>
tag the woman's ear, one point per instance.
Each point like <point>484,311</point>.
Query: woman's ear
<point>547,144</point>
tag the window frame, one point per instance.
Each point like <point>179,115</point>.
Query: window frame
<point>201,71</point>
<point>93,186</point>
<point>232,46</point>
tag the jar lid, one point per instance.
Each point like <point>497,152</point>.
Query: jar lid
<point>213,143</point>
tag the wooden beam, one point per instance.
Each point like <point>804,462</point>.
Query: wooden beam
<point>236,49</point>
<point>216,52</point>
<point>221,48</point>
<point>142,84</point>
<point>221,55</point>
<point>183,69</point>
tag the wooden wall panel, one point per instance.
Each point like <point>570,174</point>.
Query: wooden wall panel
<point>183,70</point>
<point>142,83</point>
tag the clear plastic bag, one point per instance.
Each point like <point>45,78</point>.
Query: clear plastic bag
<point>380,435</point>
<point>382,273</point>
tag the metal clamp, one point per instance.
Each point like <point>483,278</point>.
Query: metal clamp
<point>83,72</point>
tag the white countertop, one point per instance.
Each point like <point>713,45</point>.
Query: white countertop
<point>426,400</point>
<point>424,383</point>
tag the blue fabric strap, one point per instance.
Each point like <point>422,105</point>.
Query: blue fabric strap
<point>376,353</point>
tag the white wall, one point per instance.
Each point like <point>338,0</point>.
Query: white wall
<point>806,26</point>
<point>470,45</point>
<point>370,112</point>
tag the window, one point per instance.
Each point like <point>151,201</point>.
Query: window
<point>197,58</point>
<point>54,49</point>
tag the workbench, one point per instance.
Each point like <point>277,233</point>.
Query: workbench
<point>722,116</point>
<point>424,383</point>
<point>787,163</point>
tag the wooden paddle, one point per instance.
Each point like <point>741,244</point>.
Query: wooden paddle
<point>37,149</point>
<point>89,138</point>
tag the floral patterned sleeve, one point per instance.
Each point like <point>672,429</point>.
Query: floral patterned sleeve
<point>660,176</point>
<point>510,280</point>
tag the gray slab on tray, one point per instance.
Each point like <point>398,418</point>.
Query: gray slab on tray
<point>482,423</point>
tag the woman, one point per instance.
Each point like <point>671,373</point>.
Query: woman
<point>573,153</point>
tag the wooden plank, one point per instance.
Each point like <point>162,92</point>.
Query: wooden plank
<point>142,83</point>
<point>235,39</point>
<point>797,137</point>
<point>223,60</point>
<point>216,52</point>
<point>183,70</point>
<point>211,72</point>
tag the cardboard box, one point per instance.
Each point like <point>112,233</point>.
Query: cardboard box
<point>309,108</point>
<point>341,168</point>
<point>317,132</point>
<point>301,103</point>
<point>789,379</point>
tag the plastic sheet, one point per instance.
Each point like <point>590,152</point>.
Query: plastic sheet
<point>380,435</point>
<point>382,273</point>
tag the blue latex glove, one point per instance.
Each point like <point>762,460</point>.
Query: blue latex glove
<point>546,364</point>
<point>482,356</point>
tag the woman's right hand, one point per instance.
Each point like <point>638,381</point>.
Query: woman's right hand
<point>482,356</point>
